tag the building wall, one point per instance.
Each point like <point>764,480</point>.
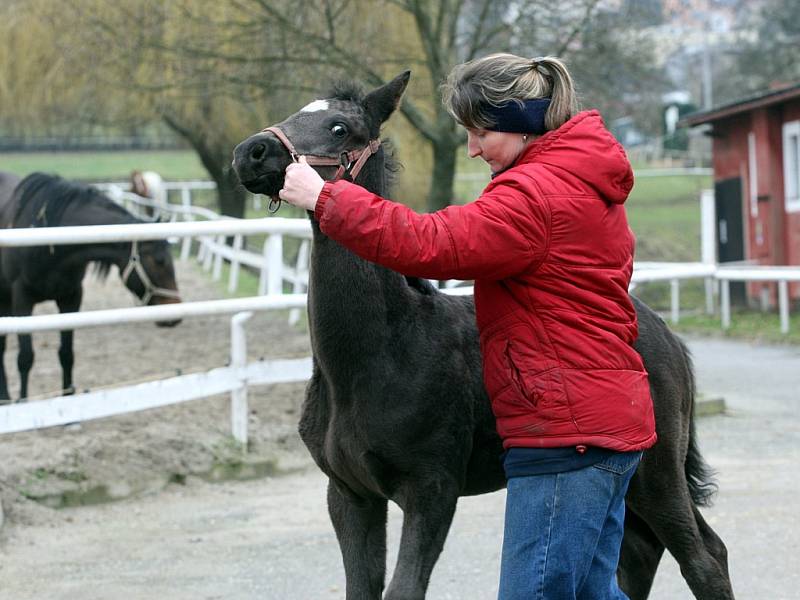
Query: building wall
<point>791,112</point>
<point>772,236</point>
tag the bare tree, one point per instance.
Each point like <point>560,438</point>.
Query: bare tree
<point>338,36</point>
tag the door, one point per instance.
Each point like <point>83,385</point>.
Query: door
<point>730,229</point>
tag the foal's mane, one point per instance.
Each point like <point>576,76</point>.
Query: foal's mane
<point>42,199</point>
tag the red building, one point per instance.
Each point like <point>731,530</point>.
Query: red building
<point>756,160</point>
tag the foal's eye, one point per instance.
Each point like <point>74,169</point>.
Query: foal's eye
<point>339,130</point>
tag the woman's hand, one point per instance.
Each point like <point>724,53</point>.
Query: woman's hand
<point>301,185</point>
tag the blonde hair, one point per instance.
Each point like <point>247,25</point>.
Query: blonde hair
<point>500,78</point>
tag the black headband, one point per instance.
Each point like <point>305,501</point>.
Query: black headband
<point>512,117</point>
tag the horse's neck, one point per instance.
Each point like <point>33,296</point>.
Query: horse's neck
<point>113,252</point>
<point>348,299</point>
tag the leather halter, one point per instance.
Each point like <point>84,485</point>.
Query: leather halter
<point>349,163</point>
<point>150,290</point>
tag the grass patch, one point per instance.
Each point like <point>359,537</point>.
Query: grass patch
<point>745,324</point>
<point>106,166</point>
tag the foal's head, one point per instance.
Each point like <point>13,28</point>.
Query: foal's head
<point>346,121</point>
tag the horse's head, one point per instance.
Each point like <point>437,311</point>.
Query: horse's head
<point>139,185</point>
<point>150,275</point>
<point>343,123</point>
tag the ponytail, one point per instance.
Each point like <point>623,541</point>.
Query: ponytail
<point>563,99</point>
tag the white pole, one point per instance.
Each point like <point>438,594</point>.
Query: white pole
<point>217,272</point>
<point>147,314</point>
<point>83,234</point>
<point>275,269</point>
<point>262,276</point>
<point>239,408</point>
<point>675,299</point>
<point>709,285</point>
<point>208,253</point>
<point>708,241</point>
<point>233,278</point>
<point>783,304</point>
<point>725,302</point>
<point>186,201</point>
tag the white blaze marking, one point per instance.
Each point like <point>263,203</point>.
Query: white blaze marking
<point>315,106</point>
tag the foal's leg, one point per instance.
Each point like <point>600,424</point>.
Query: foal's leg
<point>662,499</point>
<point>639,556</point>
<point>361,531</point>
<point>428,511</point>
<point>71,303</point>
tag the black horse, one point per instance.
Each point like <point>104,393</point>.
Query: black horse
<point>29,275</point>
<point>396,408</point>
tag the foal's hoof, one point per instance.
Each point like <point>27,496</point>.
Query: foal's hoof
<point>4,401</point>
<point>68,391</point>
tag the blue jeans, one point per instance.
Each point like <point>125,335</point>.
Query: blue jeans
<point>563,532</point>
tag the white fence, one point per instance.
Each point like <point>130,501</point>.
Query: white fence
<point>236,378</point>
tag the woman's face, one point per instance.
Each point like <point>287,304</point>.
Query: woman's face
<point>498,148</point>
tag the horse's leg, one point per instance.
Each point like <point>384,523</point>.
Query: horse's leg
<point>22,306</point>
<point>361,531</point>
<point>659,494</point>
<point>638,558</point>
<point>4,397</point>
<point>428,511</point>
<point>71,303</point>
<point>5,310</point>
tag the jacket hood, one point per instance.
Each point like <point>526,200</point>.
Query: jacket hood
<point>585,149</point>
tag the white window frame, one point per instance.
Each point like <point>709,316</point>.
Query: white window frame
<point>791,165</point>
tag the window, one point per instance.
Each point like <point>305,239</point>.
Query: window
<point>791,165</point>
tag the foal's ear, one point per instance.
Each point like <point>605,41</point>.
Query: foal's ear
<point>382,102</point>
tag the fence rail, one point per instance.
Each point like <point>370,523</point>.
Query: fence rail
<point>236,378</point>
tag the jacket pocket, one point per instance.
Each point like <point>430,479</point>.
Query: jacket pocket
<point>516,375</point>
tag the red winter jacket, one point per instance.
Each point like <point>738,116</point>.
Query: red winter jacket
<point>551,253</point>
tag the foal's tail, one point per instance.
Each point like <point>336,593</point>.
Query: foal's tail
<point>699,475</point>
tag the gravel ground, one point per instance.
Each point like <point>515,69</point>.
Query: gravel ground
<point>140,451</point>
<point>271,539</point>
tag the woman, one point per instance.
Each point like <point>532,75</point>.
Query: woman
<point>551,253</point>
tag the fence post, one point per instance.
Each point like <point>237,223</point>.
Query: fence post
<point>275,275</point>
<point>239,409</point>
<point>725,303</point>
<point>217,272</point>
<point>270,280</point>
<point>675,299</point>
<point>186,202</point>
<point>233,278</point>
<point>708,239</point>
<point>783,305</point>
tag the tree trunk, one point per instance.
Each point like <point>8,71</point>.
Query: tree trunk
<point>215,155</point>
<point>231,194</point>
<point>443,175</point>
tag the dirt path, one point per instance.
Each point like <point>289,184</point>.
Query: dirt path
<point>270,539</point>
<point>142,451</point>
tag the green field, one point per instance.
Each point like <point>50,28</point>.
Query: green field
<point>106,166</point>
<point>664,213</point>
